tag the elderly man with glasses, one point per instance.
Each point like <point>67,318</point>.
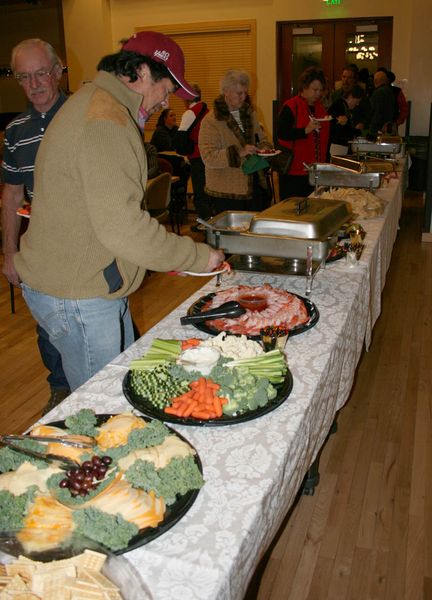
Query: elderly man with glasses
<point>90,182</point>
<point>38,70</point>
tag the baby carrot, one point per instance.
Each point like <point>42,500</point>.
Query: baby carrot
<point>171,411</point>
<point>200,402</point>
<point>190,408</point>
<point>190,343</point>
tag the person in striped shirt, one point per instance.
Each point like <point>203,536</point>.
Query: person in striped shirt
<point>38,70</point>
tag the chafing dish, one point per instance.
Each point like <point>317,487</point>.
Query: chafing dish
<point>362,145</point>
<point>364,164</point>
<point>327,174</point>
<point>285,230</point>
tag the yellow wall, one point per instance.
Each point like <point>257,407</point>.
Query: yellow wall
<point>88,37</point>
<point>412,36</point>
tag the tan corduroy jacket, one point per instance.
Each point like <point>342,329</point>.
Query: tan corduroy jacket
<point>220,140</point>
<point>90,177</point>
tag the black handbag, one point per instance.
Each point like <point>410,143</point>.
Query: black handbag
<point>281,163</point>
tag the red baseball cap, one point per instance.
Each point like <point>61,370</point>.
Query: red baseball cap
<point>163,50</point>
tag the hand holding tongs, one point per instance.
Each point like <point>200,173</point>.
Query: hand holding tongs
<point>63,461</point>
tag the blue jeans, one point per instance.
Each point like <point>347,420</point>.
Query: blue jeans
<point>52,360</point>
<point>88,333</point>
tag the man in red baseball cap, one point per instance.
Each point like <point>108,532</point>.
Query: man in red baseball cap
<point>164,50</point>
<point>90,238</point>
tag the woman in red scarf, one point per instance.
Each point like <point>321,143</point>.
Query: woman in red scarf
<point>299,129</point>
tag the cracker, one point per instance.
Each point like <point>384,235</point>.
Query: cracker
<point>92,560</point>
<point>76,578</point>
<point>78,586</point>
<point>54,590</point>
<point>43,579</point>
<point>16,584</point>
<point>98,578</point>
<point>25,571</point>
<point>112,595</point>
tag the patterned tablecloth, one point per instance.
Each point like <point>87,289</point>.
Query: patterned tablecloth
<point>253,470</point>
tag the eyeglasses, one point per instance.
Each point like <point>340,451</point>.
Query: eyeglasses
<point>41,75</point>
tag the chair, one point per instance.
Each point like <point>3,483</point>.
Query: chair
<point>158,196</point>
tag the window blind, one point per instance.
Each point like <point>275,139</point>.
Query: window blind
<point>210,49</point>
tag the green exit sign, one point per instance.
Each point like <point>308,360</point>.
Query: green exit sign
<point>332,2</point>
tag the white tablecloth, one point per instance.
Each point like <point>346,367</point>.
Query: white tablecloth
<point>253,470</point>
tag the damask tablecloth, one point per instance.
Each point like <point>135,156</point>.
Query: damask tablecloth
<point>253,470</point>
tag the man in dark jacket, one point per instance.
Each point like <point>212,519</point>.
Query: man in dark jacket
<point>383,105</point>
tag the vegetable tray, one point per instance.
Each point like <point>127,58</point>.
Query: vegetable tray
<point>143,405</point>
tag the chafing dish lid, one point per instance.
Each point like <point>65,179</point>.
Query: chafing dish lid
<point>365,164</point>
<point>305,218</point>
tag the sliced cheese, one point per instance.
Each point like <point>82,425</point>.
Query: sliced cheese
<point>160,456</point>
<point>116,430</point>
<point>134,505</point>
<point>27,474</point>
<point>47,524</point>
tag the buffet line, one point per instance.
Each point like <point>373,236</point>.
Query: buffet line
<point>302,292</point>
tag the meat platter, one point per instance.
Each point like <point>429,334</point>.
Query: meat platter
<point>277,307</point>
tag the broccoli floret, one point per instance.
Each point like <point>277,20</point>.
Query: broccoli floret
<point>10,460</point>
<point>271,391</point>
<point>181,475</point>
<point>113,531</point>
<point>13,509</point>
<point>152,434</point>
<point>82,423</point>
<point>231,408</point>
<point>178,477</point>
<point>259,395</point>
<point>224,377</point>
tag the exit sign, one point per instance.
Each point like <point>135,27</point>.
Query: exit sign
<point>332,2</point>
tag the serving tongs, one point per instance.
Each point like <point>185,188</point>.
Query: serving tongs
<point>228,310</point>
<point>63,462</point>
<point>70,439</point>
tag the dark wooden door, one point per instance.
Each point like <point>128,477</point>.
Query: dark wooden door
<point>330,45</point>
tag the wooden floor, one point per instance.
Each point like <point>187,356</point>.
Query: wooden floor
<point>367,531</point>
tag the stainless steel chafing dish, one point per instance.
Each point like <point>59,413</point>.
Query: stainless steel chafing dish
<point>364,164</point>
<point>380,146</point>
<point>285,230</point>
<point>327,174</point>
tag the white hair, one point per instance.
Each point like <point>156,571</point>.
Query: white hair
<point>32,42</point>
<point>233,78</point>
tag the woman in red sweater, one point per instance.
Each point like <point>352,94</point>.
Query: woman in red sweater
<point>299,128</point>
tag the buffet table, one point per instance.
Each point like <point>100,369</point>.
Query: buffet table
<point>253,470</point>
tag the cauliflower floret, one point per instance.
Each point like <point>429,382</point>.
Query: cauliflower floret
<point>233,346</point>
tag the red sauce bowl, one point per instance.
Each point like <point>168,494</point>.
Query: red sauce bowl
<point>255,302</point>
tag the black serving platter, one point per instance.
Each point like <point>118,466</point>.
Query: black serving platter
<point>173,513</point>
<point>198,306</point>
<point>143,405</point>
